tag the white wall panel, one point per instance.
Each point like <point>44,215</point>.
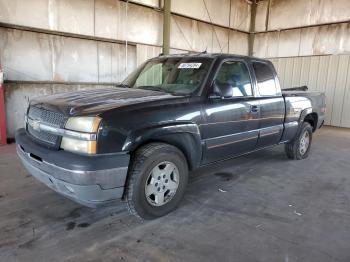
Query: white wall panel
<point>314,73</point>
<point>339,90</point>
<point>261,13</point>
<point>144,52</point>
<point>307,40</point>
<point>296,74</point>
<point>69,20</point>
<point>328,74</point>
<point>240,14</point>
<point>288,74</point>
<point>101,18</point>
<point>40,57</point>
<point>74,60</point>
<point>117,20</point>
<point>25,55</point>
<point>305,70</point>
<point>217,12</point>
<point>321,40</point>
<point>187,34</point>
<point>285,14</point>
<point>288,43</point>
<point>21,12</point>
<point>238,43</point>
<point>322,69</point>
<point>112,63</point>
<point>109,19</point>
<point>143,25</point>
<point>345,115</point>
<point>154,3</point>
<point>330,86</point>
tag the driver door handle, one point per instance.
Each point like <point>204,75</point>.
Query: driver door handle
<point>254,108</point>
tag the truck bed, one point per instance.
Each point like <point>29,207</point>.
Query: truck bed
<point>298,100</point>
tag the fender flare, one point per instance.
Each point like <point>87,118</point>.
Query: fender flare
<point>304,113</point>
<point>184,136</point>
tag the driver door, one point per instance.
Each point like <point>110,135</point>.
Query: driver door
<point>231,123</point>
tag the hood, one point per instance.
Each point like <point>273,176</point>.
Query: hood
<point>92,102</point>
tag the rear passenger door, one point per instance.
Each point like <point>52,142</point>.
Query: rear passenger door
<point>271,104</point>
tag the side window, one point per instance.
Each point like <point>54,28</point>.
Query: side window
<point>236,75</point>
<point>266,80</point>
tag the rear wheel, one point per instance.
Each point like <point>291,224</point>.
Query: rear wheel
<point>299,148</point>
<point>157,180</point>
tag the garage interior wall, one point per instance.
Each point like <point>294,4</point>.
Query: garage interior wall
<point>51,46</point>
<point>309,44</point>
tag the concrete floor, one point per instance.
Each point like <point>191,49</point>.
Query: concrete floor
<point>261,207</point>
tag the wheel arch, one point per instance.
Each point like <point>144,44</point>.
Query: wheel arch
<point>307,115</point>
<point>312,119</point>
<point>185,137</point>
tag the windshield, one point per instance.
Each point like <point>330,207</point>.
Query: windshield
<point>175,75</point>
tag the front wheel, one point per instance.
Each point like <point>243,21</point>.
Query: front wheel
<point>299,148</point>
<point>158,177</point>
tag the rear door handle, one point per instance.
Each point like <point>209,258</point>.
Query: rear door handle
<point>254,108</point>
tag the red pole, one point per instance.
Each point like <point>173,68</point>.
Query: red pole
<point>3,135</point>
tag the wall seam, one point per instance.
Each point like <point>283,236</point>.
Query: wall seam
<point>346,84</point>
<point>335,87</point>
<point>301,27</point>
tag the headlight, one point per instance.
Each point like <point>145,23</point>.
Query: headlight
<point>86,124</point>
<point>76,145</point>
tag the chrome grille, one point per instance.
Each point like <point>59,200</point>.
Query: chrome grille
<point>43,136</point>
<point>47,117</point>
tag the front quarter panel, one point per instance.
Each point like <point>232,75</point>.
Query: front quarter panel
<point>174,123</point>
<point>185,136</point>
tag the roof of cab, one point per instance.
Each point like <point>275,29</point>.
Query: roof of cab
<point>211,55</point>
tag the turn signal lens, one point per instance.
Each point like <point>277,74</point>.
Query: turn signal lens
<point>80,146</point>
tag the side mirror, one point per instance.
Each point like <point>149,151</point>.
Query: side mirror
<point>221,91</point>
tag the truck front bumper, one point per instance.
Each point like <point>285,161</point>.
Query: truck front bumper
<point>88,180</point>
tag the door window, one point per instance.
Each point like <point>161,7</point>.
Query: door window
<point>236,75</point>
<point>265,79</point>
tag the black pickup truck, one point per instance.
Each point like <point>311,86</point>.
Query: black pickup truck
<point>173,114</point>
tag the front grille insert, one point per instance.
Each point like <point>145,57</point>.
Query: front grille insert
<point>44,116</point>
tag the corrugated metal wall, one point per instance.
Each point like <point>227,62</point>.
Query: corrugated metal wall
<point>328,74</point>
<point>309,43</point>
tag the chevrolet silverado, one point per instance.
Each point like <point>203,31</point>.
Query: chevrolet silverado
<point>173,114</point>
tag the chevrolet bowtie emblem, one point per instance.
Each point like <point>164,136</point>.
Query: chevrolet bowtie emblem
<point>36,125</point>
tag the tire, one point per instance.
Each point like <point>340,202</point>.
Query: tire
<point>299,147</point>
<point>155,170</point>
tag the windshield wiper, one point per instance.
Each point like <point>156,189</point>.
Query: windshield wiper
<point>159,89</point>
<point>123,85</point>
<point>153,88</point>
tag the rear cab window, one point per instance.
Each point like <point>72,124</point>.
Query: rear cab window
<point>265,77</point>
